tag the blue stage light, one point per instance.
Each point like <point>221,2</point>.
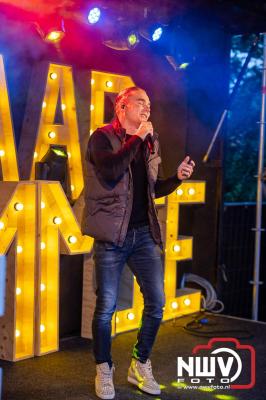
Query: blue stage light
<point>94,15</point>
<point>157,34</point>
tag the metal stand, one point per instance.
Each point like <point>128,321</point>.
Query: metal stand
<point>256,272</point>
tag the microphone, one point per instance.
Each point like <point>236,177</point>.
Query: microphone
<point>150,143</point>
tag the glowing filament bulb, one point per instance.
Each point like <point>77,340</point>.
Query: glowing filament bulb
<point>92,107</point>
<point>130,316</point>
<point>51,134</point>
<point>42,328</point>
<point>53,75</point>
<point>174,305</point>
<point>18,291</point>
<point>63,107</point>
<point>57,220</point>
<point>42,287</point>
<point>2,225</point>
<point>18,206</point>
<point>109,84</point>
<point>19,249</point>
<point>17,333</point>
<point>176,248</point>
<point>191,191</point>
<point>72,239</point>
<point>187,302</point>
<point>43,245</point>
<point>179,192</point>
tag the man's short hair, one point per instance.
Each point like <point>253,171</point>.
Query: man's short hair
<point>123,95</point>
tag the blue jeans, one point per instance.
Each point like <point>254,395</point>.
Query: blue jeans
<point>143,257</point>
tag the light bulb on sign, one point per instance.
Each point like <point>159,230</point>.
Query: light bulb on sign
<point>72,239</point>
<point>18,291</point>
<point>51,134</point>
<point>57,220</point>
<point>174,305</point>
<point>42,287</point>
<point>187,302</point>
<point>176,248</point>
<point>18,206</point>
<point>191,191</point>
<point>131,316</point>
<point>53,75</point>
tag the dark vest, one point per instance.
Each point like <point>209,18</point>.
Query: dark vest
<point>108,205</point>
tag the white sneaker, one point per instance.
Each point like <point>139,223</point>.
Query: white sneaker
<point>140,374</point>
<point>104,386</point>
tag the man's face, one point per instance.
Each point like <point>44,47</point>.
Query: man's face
<point>137,108</point>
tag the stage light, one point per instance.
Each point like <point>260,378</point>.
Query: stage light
<point>176,248</point>
<point>109,84</point>
<point>19,249</point>
<point>18,206</point>
<point>179,192</point>
<point>42,287</point>
<point>174,305</point>
<point>2,225</point>
<point>131,316</point>
<point>72,239</point>
<point>51,30</point>
<point>187,302</point>
<point>191,191</point>
<point>53,75</point>
<point>51,134</point>
<point>2,153</point>
<point>94,15</point>
<point>18,291</point>
<point>57,220</point>
<point>43,245</point>
<point>157,34</point>
<point>133,40</point>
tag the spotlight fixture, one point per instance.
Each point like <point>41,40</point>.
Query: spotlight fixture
<point>122,40</point>
<point>51,30</point>
<point>94,15</point>
<point>152,34</point>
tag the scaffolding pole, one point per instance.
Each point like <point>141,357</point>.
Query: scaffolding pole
<point>256,272</point>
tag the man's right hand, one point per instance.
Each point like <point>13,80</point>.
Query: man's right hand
<point>144,129</point>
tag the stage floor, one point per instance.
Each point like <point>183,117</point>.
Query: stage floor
<point>69,373</point>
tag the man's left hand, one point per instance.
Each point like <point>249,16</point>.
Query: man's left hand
<point>185,169</point>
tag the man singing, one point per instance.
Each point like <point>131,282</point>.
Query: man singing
<point>121,183</point>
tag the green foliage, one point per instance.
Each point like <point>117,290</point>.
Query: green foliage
<point>242,141</point>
